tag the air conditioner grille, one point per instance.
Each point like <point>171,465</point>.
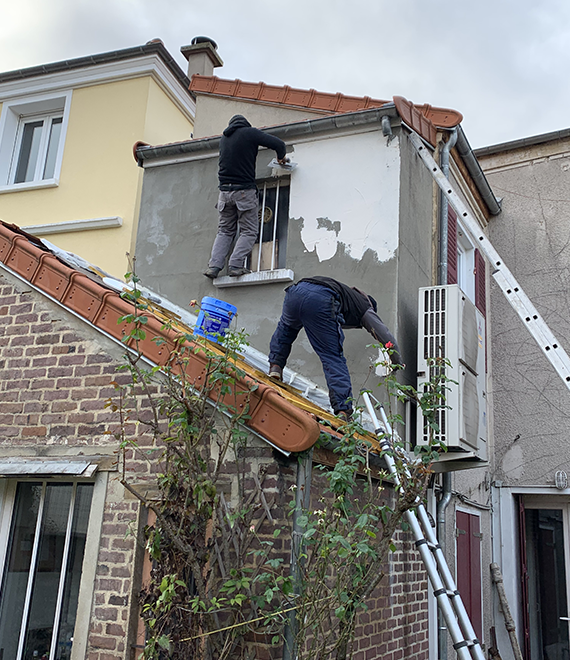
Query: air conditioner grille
<point>452,329</point>
<point>435,329</point>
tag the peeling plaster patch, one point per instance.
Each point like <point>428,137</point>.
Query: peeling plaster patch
<point>157,236</point>
<point>328,224</point>
<point>513,462</point>
<point>347,190</point>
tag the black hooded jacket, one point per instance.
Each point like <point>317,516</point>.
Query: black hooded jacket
<point>238,152</point>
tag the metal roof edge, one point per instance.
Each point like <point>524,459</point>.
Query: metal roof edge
<point>283,131</point>
<point>474,168</point>
<point>522,142</point>
<point>154,47</point>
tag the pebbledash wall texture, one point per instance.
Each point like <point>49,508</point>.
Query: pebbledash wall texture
<point>56,378</point>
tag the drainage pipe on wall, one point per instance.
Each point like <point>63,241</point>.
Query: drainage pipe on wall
<point>445,498</point>
<point>302,501</point>
<point>442,505</point>
<point>443,208</point>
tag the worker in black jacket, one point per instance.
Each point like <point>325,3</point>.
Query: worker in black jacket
<point>238,199</point>
<point>324,306</point>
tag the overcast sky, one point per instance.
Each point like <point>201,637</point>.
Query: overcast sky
<point>503,64</point>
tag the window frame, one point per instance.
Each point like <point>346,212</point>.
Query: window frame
<point>15,114</point>
<point>277,273</point>
<point>8,489</point>
<point>468,265</point>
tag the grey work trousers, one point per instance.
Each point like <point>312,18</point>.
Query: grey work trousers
<point>235,206</point>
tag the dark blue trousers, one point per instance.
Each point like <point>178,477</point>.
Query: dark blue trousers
<point>315,308</point>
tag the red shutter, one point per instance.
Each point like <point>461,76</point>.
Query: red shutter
<point>480,283</point>
<point>451,246</point>
<point>469,567</point>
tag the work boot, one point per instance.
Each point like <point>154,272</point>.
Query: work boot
<point>235,271</point>
<point>275,371</point>
<point>212,272</point>
<point>345,415</point>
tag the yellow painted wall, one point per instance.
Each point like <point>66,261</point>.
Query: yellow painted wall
<point>99,176</point>
<point>164,121</point>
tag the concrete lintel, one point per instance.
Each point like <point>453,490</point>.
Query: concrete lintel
<point>262,277</point>
<point>74,225</point>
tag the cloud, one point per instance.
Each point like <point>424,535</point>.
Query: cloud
<point>502,64</point>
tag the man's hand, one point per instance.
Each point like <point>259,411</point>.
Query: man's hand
<point>283,161</point>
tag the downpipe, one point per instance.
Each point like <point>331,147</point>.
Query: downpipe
<point>302,501</point>
<point>442,505</point>
<point>445,498</point>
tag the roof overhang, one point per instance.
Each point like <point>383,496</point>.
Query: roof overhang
<point>149,156</point>
<point>149,60</point>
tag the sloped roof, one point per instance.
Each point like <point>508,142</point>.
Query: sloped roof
<point>276,412</point>
<point>152,47</point>
<point>424,119</point>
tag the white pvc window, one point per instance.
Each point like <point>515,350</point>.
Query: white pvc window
<point>43,556</point>
<point>36,148</point>
<point>32,138</point>
<point>269,251</point>
<point>465,264</point>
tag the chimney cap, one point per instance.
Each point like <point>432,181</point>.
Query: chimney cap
<point>205,46</point>
<point>204,40</point>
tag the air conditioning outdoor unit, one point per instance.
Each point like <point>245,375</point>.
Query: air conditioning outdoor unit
<point>450,326</point>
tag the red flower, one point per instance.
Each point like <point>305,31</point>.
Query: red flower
<point>389,344</point>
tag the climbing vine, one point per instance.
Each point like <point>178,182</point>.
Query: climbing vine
<point>222,578</point>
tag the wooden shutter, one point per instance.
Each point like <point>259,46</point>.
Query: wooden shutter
<point>469,567</point>
<point>451,246</point>
<point>480,283</point>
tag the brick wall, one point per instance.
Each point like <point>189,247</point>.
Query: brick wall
<point>56,376</point>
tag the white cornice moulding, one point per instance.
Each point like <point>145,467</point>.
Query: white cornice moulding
<point>98,74</point>
<point>73,225</point>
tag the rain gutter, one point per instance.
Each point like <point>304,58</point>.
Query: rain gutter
<point>474,168</point>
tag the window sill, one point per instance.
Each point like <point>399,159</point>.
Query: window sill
<point>261,277</point>
<point>29,185</point>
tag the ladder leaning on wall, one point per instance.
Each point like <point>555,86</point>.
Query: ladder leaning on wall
<point>460,628</point>
<point>467,646</point>
<point>513,292</point>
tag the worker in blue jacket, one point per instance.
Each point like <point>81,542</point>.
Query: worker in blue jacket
<point>324,306</point>
<point>238,201</point>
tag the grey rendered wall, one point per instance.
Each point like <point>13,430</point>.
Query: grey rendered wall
<point>532,234</point>
<point>415,252</point>
<point>178,224</point>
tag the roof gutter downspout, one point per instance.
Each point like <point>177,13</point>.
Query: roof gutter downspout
<point>445,498</point>
<point>443,209</point>
<point>442,505</point>
<point>302,502</point>
<point>474,169</point>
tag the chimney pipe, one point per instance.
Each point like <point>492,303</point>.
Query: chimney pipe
<point>202,56</point>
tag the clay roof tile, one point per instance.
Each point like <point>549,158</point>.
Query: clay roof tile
<point>425,119</point>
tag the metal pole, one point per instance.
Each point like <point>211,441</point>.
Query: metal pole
<point>302,501</point>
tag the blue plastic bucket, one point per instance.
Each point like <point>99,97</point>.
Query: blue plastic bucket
<point>214,318</point>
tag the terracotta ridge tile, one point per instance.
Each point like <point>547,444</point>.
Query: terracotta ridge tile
<point>278,420</point>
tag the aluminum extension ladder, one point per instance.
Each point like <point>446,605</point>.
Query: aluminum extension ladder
<point>518,299</point>
<point>463,636</point>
